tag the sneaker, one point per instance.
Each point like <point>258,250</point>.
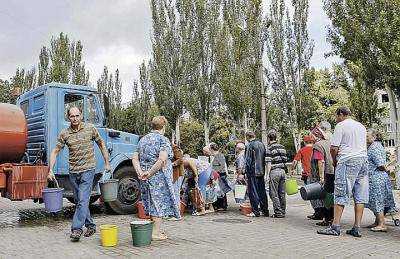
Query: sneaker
<point>355,232</point>
<point>89,232</point>
<point>331,231</point>
<point>76,235</point>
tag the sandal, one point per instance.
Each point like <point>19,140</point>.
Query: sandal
<point>89,232</point>
<point>162,236</point>
<point>378,229</point>
<point>276,216</point>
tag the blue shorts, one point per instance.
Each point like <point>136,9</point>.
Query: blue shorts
<point>351,180</point>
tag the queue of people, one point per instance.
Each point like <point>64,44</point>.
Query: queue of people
<point>349,164</point>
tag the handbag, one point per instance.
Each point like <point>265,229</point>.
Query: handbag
<point>196,197</point>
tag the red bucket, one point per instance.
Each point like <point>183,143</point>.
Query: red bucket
<point>245,208</point>
<point>141,212</point>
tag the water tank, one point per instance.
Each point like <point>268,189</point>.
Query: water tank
<point>13,133</point>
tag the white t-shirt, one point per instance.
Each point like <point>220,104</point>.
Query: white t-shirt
<point>351,138</point>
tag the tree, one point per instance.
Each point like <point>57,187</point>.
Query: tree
<point>289,50</point>
<point>167,66</point>
<point>62,62</point>
<point>240,48</point>
<point>200,29</point>
<point>112,88</point>
<point>367,34</point>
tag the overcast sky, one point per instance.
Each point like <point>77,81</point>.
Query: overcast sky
<point>114,33</point>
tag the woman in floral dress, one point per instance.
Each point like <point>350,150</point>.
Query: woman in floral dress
<point>152,162</point>
<point>381,198</point>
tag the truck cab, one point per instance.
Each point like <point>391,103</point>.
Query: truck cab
<point>45,109</point>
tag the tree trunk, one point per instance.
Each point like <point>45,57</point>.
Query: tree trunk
<point>245,124</point>
<point>394,118</point>
<point>206,132</point>
<point>263,109</point>
<point>177,131</point>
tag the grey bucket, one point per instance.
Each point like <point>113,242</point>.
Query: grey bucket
<point>109,189</point>
<point>311,191</point>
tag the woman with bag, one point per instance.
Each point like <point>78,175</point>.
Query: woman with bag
<point>218,164</point>
<point>197,176</point>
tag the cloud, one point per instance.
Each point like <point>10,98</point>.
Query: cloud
<point>113,33</point>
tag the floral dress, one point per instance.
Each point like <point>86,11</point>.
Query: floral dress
<point>157,192</point>
<point>380,188</point>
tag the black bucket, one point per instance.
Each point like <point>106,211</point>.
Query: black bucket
<point>311,191</point>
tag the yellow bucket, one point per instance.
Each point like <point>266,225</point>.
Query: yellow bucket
<point>109,235</point>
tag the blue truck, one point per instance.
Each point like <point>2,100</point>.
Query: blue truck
<point>45,110</point>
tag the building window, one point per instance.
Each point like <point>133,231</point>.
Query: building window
<point>389,128</point>
<point>385,98</point>
<point>389,143</point>
<point>93,117</point>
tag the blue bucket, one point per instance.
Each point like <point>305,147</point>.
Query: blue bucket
<point>53,199</point>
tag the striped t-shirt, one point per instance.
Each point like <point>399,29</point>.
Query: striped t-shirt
<point>276,155</point>
<point>81,147</point>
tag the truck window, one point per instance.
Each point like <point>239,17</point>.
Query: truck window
<point>93,116</point>
<point>24,106</point>
<point>71,100</point>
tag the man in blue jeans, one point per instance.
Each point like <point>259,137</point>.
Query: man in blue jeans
<point>79,138</point>
<point>349,154</point>
<point>255,171</point>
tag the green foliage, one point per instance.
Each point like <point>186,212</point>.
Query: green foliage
<point>367,33</point>
<point>192,137</point>
<point>62,62</point>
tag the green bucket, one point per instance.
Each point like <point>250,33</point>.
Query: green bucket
<point>328,200</point>
<point>142,231</point>
<point>291,186</point>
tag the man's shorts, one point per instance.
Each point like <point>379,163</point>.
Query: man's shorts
<point>351,180</point>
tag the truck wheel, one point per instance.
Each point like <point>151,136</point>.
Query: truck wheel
<point>128,191</point>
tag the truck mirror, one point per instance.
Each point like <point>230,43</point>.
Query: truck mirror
<point>106,102</point>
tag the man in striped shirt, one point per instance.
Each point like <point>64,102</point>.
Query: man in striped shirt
<point>276,158</point>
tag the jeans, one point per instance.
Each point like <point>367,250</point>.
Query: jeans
<point>351,180</point>
<point>277,191</point>
<point>82,186</point>
<point>257,194</point>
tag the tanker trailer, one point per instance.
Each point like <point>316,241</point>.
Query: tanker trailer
<point>18,180</point>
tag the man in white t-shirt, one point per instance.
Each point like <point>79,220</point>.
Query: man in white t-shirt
<point>349,154</point>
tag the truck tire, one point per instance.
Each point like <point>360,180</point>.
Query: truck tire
<point>128,191</point>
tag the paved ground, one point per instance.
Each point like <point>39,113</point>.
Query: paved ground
<point>220,235</point>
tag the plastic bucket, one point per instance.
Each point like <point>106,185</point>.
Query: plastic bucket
<point>109,189</point>
<point>311,191</point>
<point>328,200</point>
<point>142,231</point>
<point>245,208</point>
<point>291,186</point>
<point>141,212</point>
<point>109,235</point>
<point>53,199</point>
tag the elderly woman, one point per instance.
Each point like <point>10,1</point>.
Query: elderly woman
<point>218,164</point>
<point>380,189</point>
<point>197,176</point>
<point>153,165</point>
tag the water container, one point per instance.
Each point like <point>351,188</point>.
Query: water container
<point>141,212</point>
<point>142,231</point>
<point>53,199</point>
<point>291,186</point>
<point>109,189</point>
<point>311,191</point>
<point>109,235</point>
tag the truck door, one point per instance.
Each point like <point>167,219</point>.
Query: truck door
<point>68,99</point>
<point>89,107</point>
<point>93,116</point>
